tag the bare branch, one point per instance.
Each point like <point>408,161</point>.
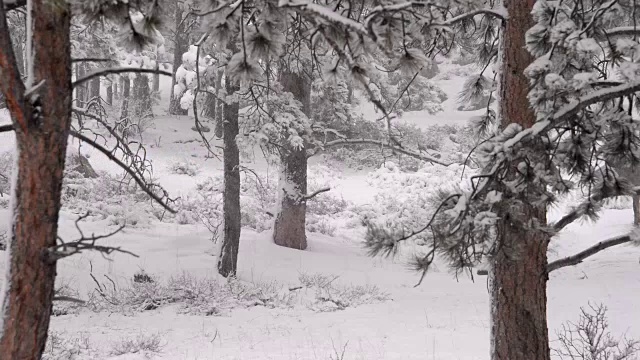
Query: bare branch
<point>315,193</point>
<point>118,70</point>
<point>126,168</point>
<point>6,128</point>
<point>68,299</point>
<point>84,243</point>
<point>579,257</point>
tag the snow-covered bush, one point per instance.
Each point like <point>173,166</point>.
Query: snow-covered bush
<point>406,201</point>
<point>590,339</point>
<point>185,167</point>
<point>258,200</point>
<point>146,344</point>
<point>62,346</point>
<point>331,296</point>
<point>108,197</point>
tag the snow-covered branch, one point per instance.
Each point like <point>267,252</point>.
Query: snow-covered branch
<point>387,145</point>
<point>579,257</point>
<point>118,70</point>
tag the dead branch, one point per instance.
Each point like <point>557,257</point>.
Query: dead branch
<point>315,193</point>
<point>84,243</point>
<point>579,257</point>
<point>118,70</point>
<point>68,299</point>
<point>126,168</point>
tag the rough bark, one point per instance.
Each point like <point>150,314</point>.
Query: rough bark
<point>181,45</point>
<point>289,225</point>
<point>518,277</point>
<point>636,210</point>
<point>228,261</point>
<point>41,139</point>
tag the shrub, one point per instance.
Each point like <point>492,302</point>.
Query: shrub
<point>141,344</point>
<point>590,339</point>
<point>185,167</point>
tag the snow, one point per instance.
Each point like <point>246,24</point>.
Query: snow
<point>445,318</point>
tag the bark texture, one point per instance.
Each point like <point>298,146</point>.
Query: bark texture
<point>181,45</point>
<point>289,226</point>
<point>41,129</point>
<point>518,277</point>
<point>228,261</point>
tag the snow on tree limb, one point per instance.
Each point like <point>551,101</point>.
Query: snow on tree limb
<point>579,257</point>
<point>387,145</point>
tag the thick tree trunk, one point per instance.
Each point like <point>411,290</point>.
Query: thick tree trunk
<point>126,89</point>
<point>228,261</point>
<point>41,138</point>
<point>289,225</point>
<point>518,277</point>
<point>181,45</point>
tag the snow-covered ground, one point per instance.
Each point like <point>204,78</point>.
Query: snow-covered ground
<point>444,318</point>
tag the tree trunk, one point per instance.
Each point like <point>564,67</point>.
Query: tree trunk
<point>41,131</point>
<point>228,261</point>
<point>94,88</point>
<point>218,106</point>
<point>116,91</point>
<point>518,277</point>
<point>289,226</point>
<point>81,96</point>
<point>636,209</point>
<point>126,89</point>
<point>181,45</point>
<point>110,94</point>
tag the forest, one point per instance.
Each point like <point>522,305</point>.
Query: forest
<point>319,179</point>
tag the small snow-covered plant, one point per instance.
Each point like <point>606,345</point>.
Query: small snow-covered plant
<point>590,339</point>
<point>62,346</point>
<point>331,295</point>
<point>146,344</point>
<point>185,167</point>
